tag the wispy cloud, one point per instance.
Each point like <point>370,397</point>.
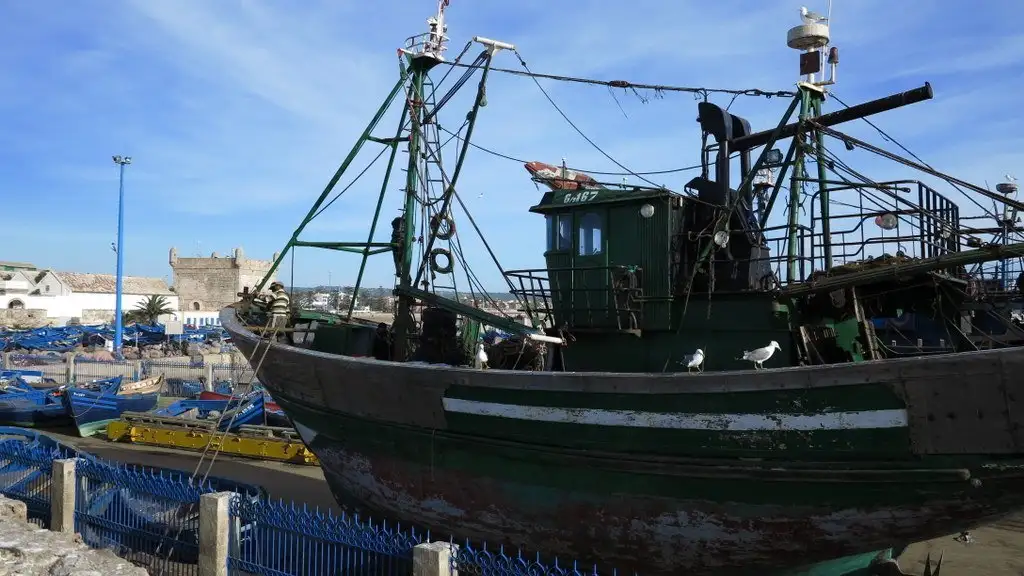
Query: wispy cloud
<point>238,112</point>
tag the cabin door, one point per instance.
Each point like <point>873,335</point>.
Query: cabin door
<point>591,282</point>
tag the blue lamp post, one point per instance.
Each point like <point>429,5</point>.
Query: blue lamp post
<point>121,161</point>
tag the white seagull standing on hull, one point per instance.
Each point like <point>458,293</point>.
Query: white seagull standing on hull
<point>759,355</point>
<point>481,356</point>
<point>695,360</point>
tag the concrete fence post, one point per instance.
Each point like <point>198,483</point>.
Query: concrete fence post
<point>69,367</point>
<point>434,559</point>
<point>62,496</point>
<point>214,520</point>
<point>5,360</point>
<point>208,372</point>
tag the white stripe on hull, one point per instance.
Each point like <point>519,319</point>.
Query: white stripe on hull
<point>862,420</point>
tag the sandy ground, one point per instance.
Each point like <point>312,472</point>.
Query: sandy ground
<point>996,550</point>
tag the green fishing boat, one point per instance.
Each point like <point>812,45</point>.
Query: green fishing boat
<point>693,389</point>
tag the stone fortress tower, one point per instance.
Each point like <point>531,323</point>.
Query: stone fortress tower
<point>210,284</point>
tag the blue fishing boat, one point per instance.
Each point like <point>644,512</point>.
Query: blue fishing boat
<point>230,413</point>
<point>93,407</point>
<point>30,410</point>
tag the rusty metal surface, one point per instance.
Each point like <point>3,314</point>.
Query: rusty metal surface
<point>647,534</point>
<point>972,407</point>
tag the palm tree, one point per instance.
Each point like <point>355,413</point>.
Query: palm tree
<point>150,309</point>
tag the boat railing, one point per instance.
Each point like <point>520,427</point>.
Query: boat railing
<point>902,218</point>
<point>771,269</point>
<point>599,297</point>
<point>426,43</point>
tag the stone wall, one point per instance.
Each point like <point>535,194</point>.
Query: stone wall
<point>210,284</point>
<point>22,318</point>
<point>93,317</point>
<point>31,551</point>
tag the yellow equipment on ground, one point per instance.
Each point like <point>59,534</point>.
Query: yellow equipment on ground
<point>260,442</point>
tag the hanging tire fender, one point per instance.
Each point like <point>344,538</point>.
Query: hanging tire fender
<point>435,266</point>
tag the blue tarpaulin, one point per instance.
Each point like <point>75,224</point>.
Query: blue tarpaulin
<point>65,339</point>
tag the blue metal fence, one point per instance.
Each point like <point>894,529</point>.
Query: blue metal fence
<point>277,539</point>
<point>151,517</point>
<point>25,473</point>
<point>483,562</point>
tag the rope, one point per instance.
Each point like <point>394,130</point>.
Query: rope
<point>216,426</point>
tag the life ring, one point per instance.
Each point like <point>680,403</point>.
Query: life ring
<point>444,232</point>
<point>434,266</point>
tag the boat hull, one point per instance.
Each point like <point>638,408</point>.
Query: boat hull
<point>661,473</point>
<point>93,411</point>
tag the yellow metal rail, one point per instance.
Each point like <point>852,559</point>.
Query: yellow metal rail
<point>260,442</point>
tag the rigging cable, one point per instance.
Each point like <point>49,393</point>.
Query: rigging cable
<point>638,86</point>
<point>885,135</point>
<point>573,168</point>
<point>576,128</point>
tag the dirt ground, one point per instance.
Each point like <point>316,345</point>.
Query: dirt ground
<point>996,550</point>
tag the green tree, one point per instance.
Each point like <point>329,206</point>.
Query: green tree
<point>149,310</point>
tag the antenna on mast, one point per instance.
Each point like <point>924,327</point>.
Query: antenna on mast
<point>811,37</point>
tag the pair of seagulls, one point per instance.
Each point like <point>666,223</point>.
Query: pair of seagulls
<point>758,356</point>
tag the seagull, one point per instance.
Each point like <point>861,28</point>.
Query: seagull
<point>759,355</point>
<point>811,17</point>
<point>481,356</point>
<point>695,360</point>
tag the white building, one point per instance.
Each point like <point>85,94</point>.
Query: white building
<point>321,300</point>
<point>85,298</point>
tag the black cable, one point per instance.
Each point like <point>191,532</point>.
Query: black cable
<point>637,86</point>
<point>885,135</point>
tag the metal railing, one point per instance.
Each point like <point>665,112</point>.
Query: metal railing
<point>281,538</point>
<point>922,223</point>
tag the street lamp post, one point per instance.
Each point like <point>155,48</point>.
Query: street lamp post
<point>121,161</point>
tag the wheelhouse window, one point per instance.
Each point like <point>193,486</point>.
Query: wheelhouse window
<point>559,232</point>
<point>590,235</point>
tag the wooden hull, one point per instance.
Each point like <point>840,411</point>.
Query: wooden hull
<point>92,411</point>
<point>666,473</point>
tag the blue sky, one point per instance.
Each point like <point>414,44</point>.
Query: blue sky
<point>237,112</point>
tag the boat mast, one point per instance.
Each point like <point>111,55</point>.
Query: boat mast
<point>423,52</point>
<point>811,37</point>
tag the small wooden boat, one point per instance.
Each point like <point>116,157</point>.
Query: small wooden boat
<point>93,406</point>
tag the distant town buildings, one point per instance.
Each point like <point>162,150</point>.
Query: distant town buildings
<point>30,295</point>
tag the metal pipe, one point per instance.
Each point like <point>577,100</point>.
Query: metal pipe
<point>838,117</point>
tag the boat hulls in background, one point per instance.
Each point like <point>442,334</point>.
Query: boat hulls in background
<point>664,473</point>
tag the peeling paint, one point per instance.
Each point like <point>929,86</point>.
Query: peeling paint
<point>859,420</point>
<point>648,534</point>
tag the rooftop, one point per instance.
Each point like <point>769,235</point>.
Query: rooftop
<point>107,284</point>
